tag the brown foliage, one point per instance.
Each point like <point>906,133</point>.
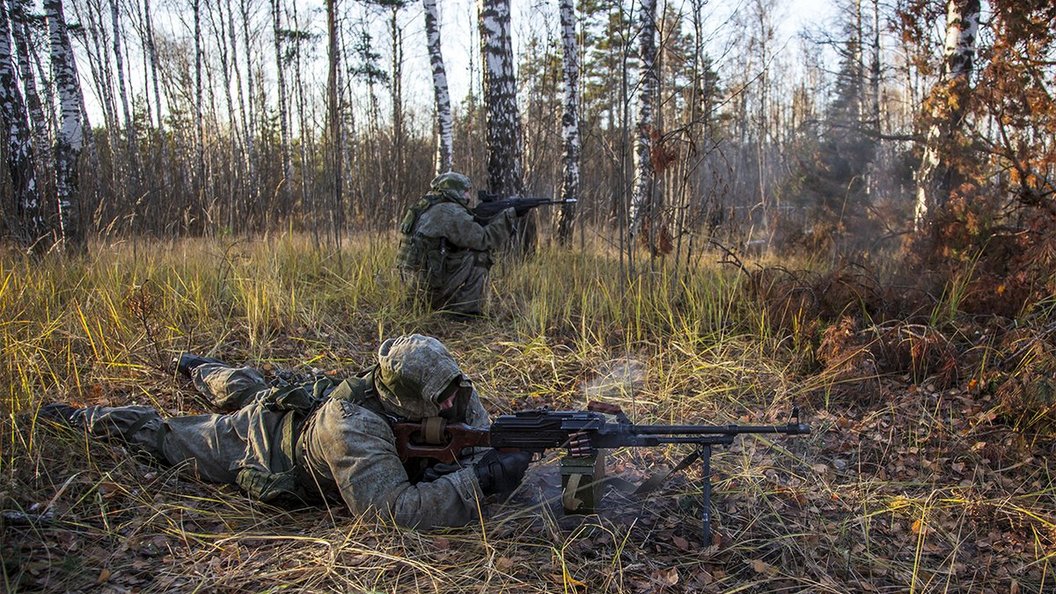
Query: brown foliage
<point>659,153</point>
<point>655,235</point>
<point>1026,378</point>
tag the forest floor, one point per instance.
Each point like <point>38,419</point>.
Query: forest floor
<point>931,472</point>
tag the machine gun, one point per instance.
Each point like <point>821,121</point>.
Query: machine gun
<point>600,427</point>
<point>489,205</point>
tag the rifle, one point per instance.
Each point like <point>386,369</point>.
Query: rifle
<point>489,205</point>
<point>539,430</point>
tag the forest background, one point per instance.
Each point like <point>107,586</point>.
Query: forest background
<point>859,219</point>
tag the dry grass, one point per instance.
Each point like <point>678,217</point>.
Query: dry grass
<point>910,487</point>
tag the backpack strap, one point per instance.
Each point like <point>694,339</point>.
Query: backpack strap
<point>360,390</point>
<point>423,204</point>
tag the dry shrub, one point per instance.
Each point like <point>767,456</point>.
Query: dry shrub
<point>844,352</point>
<point>918,351</point>
<point>828,296</point>
<point>1026,380</point>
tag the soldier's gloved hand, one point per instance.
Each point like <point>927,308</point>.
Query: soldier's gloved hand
<point>440,469</point>
<point>501,472</point>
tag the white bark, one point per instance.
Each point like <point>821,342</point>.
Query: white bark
<point>500,98</point>
<point>21,164</point>
<point>569,121</point>
<point>284,129</point>
<point>115,20</point>
<point>148,25</point>
<point>935,178</point>
<point>199,97</point>
<point>20,34</point>
<point>641,200</point>
<point>70,138</point>
<point>333,83</point>
<point>440,92</point>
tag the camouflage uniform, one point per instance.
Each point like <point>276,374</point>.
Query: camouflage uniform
<point>344,446</point>
<point>445,254</point>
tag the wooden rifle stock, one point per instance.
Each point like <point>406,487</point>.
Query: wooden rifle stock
<point>438,441</point>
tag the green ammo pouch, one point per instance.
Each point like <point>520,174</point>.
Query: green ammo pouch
<point>271,487</point>
<point>284,482</point>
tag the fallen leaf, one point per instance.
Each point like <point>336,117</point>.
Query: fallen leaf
<point>104,576</point>
<point>680,542</point>
<point>820,468</point>
<point>108,490</point>
<point>441,543</point>
<point>668,576</point>
<point>918,525</point>
<point>760,566</point>
<point>566,580</point>
<point>503,563</point>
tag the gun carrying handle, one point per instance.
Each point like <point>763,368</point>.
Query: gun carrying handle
<point>604,408</point>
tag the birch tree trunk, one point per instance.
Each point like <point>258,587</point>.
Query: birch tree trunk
<point>642,208</point>
<point>250,109</point>
<point>284,126</point>
<point>569,123</point>
<point>333,83</point>
<point>20,34</point>
<point>119,58</point>
<point>500,98</point>
<point>148,25</point>
<point>70,138</point>
<point>21,164</point>
<point>199,126</point>
<point>309,209</point>
<point>502,119</point>
<point>442,97</point>
<point>946,105</point>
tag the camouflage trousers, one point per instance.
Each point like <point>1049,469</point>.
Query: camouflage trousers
<point>462,286</point>
<point>215,446</point>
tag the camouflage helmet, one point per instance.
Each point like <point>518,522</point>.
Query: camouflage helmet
<point>414,372</point>
<point>452,180</point>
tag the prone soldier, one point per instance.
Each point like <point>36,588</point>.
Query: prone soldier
<point>303,442</point>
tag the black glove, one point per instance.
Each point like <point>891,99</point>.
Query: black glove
<point>522,209</point>
<point>501,472</point>
<point>440,469</point>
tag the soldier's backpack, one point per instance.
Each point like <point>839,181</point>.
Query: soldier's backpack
<point>286,481</point>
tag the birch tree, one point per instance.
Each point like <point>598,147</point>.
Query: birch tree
<point>152,54</point>
<point>500,98</point>
<point>20,34</point>
<point>284,117</point>
<point>946,109</point>
<point>21,164</point>
<point>569,122</point>
<point>502,119</point>
<point>441,96</point>
<point>643,211</point>
<point>119,58</point>
<point>333,83</point>
<point>70,137</point>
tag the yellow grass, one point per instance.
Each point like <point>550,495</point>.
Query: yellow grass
<point>888,495</point>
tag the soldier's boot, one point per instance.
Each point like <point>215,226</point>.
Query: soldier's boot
<point>188,362</point>
<point>62,413</point>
